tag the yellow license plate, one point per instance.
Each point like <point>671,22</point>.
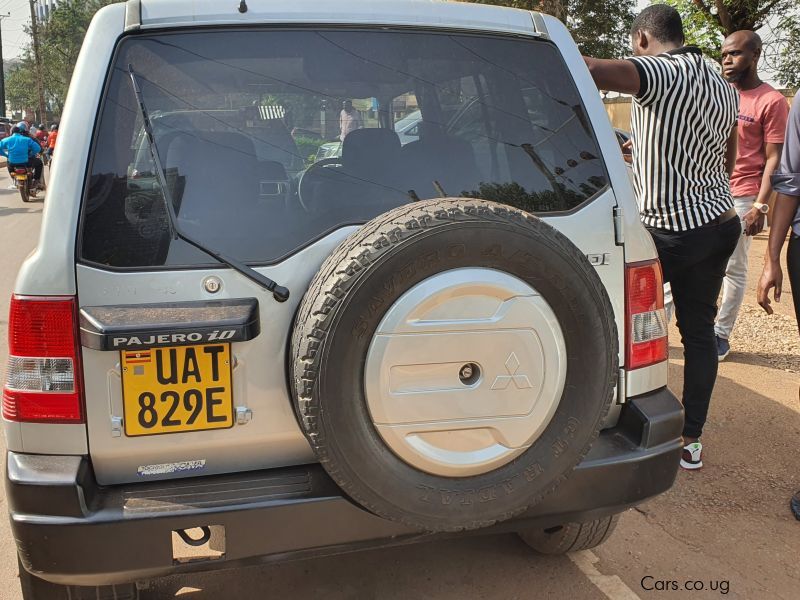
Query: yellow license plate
<point>177,389</point>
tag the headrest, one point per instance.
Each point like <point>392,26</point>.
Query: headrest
<point>214,142</point>
<point>364,148</point>
<point>232,141</point>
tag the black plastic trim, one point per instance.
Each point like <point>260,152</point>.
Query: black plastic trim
<point>71,531</point>
<point>139,326</point>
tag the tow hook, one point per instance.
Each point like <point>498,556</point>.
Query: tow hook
<point>203,539</point>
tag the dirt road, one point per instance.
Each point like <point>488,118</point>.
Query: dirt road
<point>726,528</point>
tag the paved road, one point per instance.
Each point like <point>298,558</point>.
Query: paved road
<point>727,526</point>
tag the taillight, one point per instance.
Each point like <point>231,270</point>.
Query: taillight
<point>43,382</point>
<point>646,321</point>
<point>21,171</point>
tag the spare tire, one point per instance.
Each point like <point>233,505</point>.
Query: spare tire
<point>453,361</point>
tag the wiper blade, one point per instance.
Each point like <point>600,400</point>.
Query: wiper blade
<point>280,293</point>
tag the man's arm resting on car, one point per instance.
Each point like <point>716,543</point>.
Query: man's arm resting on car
<point>614,75</point>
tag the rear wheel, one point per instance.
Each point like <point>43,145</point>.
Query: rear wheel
<point>24,191</point>
<point>34,588</point>
<point>570,537</point>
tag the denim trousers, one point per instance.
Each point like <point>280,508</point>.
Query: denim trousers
<point>735,283</point>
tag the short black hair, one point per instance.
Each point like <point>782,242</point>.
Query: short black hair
<point>754,41</point>
<point>662,21</point>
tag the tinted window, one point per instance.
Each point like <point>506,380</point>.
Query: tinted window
<point>271,139</point>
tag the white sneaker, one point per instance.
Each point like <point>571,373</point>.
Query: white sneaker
<point>691,460</point>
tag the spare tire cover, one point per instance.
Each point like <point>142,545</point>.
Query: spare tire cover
<point>453,361</point>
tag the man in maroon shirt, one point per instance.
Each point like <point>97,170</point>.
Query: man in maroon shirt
<point>762,125</point>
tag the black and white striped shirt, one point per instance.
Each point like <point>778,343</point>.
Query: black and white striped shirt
<point>681,121</point>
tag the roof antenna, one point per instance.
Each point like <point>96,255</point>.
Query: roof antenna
<point>243,6</point>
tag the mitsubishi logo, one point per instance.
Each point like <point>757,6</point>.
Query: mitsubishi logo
<point>520,381</point>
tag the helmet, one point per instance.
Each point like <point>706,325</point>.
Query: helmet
<point>41,125</point>
<point>54,127</point>
<point>22,126</point>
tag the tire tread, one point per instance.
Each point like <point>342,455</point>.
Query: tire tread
<point>342,269</point>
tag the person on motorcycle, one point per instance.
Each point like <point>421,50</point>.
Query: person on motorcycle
<point>41,135</point>
<point>21,151</point>
<point>51,140</point>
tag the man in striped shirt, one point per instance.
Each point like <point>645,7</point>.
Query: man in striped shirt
<point>683,132</point>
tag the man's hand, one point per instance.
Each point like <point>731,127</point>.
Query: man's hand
<point>627,151</point>
<point>772,277</point>
<point>753,222</point>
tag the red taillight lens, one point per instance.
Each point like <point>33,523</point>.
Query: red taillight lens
<point>646,320</point>
<point>43,376</point>
<point>20,171</point>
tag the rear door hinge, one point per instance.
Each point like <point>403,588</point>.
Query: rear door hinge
<point>619,226</point>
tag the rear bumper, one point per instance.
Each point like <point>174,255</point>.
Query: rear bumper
<point>71,531</point>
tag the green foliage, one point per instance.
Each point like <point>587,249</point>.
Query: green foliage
<point>788,59</point>
<point>21,85</point>
<point>701,29</point>
<point>308,147</point>
<point>60,40</point>
<point>600,27</point>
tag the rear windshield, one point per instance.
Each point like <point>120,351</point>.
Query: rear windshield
<point>272,139</point>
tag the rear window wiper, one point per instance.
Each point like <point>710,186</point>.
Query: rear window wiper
<point>280,293</point>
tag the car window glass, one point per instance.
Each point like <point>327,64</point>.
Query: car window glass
<point>271,139</point>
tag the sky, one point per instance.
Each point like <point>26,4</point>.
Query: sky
<point>14,37</point>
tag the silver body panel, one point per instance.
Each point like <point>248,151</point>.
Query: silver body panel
<point>272,437</point>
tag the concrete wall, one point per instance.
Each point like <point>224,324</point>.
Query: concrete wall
<point>619,110</point>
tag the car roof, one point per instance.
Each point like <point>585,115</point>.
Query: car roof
<point>147,14</point>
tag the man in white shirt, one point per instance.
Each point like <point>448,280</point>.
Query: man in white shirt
<point>349,120</point>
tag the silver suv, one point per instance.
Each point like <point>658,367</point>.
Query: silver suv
<point>224,349</point>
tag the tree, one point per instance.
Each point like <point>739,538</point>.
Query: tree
<point>787,62</point>
<point>60,39</point>
<point>20,84</point>
<point>600,27</point>
<point>557,8</point>
<point>708,23</point>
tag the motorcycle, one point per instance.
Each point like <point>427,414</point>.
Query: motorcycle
<point>23,179</point>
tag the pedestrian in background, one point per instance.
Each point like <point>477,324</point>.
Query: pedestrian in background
<point>51,140</point>
<point>683,127</point>
<point>786,216</point>
<point>349,120</point>
<point>763,112</point>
